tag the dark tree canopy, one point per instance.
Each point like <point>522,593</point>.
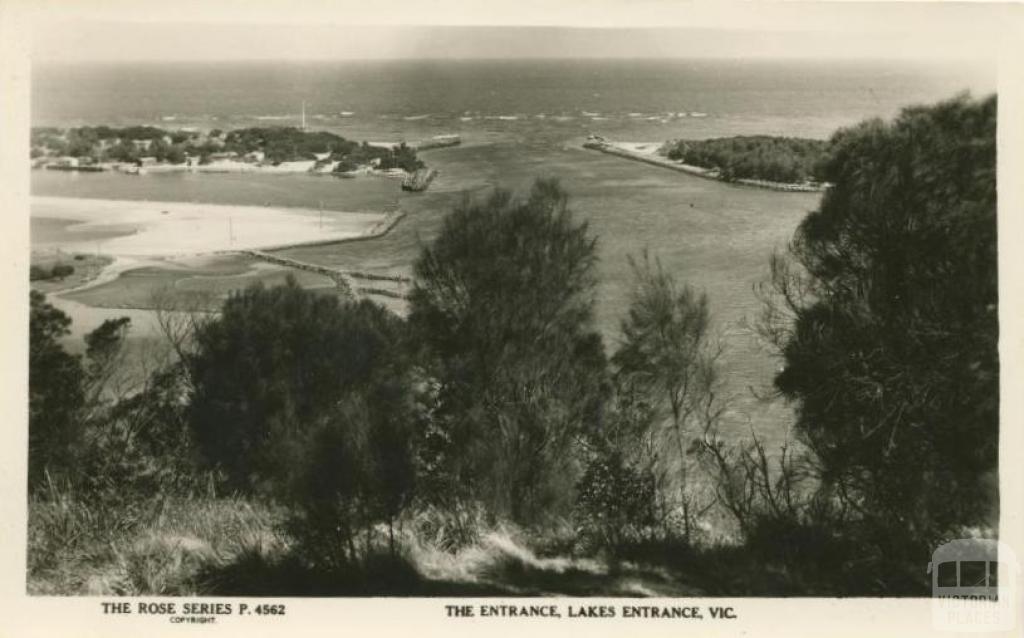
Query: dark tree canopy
<point>275,364</point>
<point>776,159</point>
<point>893,357</point>
<point>56,395</point>
<point>503,303</point>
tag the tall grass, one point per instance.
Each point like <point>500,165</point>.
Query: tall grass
<point>214,545</point>
<point>141,547</point>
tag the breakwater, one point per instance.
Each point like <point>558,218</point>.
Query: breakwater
<point>706,173</point>
<point>438,141</point>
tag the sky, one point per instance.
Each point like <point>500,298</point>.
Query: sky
<point>189,30</point>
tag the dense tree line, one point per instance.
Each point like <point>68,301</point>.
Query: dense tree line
<point>110,143</point>
<point>285,144</point>
<point>763,157</point>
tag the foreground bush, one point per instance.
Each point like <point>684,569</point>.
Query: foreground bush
<point>503,307</point>
<point>892,356</point>
<point>56,400</point>
<point>273,367</point>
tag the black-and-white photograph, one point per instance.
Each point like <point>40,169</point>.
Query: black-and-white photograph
<point>570,302</point>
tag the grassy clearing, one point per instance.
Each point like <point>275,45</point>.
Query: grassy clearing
<point>215,277</point>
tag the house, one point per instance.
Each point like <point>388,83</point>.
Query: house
<point>255,156</point>
<point>142,145</point>
<point>147,161</point>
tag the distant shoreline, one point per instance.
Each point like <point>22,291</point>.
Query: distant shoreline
<point>626,150</point>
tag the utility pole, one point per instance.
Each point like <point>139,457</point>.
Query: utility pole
<point>303,115</point>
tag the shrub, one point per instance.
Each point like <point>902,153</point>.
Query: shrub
<point>56,394</point>
<point>615,502</point>
<point>666,382</point>
<point>60,271</point>
<point>274,366</point>
<point>358,473</point>
<point>39,273</point>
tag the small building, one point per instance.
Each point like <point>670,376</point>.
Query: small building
<point>255,156</point>
<point>147,161</point>
<point>142,145</point>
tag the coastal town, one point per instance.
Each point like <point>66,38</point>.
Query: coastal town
<point>138,150</point>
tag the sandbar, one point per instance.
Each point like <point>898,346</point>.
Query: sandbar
<point>165,229</point>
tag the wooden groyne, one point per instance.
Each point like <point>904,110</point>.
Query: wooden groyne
<point>355,274</point>
<point>341,279</point>
<point>706,173</point>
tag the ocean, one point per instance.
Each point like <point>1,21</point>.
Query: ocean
<point>530,100</point>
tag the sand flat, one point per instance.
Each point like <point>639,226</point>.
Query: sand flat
<point>184,228</point>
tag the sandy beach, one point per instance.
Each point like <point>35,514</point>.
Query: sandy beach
<point>152,228</point>
<point>233,166</point>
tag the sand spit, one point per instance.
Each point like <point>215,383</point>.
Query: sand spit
<point>151,229</point>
